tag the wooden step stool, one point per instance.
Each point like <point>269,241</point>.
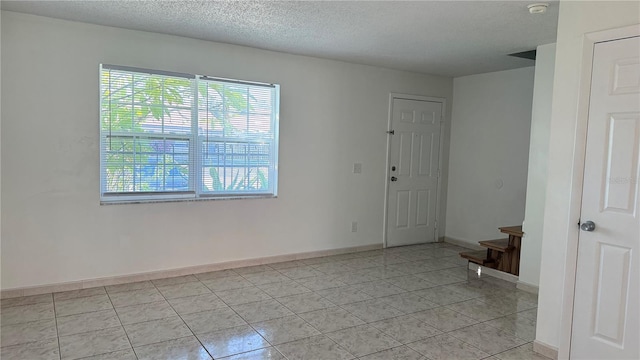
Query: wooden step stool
<point>501,254</point>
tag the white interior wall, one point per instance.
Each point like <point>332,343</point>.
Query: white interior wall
<point>332,115</point>
<point>0,152</point>
<point>575,19</point>
<point>537,172</point>
<point>489,152</point>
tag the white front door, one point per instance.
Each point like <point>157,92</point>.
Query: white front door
<point>607,298</point>
<point>413,171</point>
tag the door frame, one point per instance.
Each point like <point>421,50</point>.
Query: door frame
<point>577,173</point>
<point>443,122</point>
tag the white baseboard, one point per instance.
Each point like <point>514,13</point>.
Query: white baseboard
<point>116,280</point>
<point>494,273</point>
<point>545,349</point>
<point>530,288</point>
<point>463,243</point>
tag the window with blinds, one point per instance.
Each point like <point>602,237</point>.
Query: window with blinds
<point>167,136</point>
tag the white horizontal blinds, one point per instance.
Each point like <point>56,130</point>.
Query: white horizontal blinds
<point>237,130</point>
<point>146,132</point>
<point>170,135</point>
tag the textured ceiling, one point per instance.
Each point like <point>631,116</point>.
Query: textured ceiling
<point>439,37</point>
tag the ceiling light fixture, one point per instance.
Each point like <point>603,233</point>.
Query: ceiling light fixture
<point>538,8</point>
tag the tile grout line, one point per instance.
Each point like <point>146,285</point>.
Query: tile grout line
<point>180,316</point>
<point>368,324</point>
<point>248,323</point>
<point>78,314</point>
<point>340,307</point>
<point>121,324</point>
<point>298,281</point>
<point>273,298</point>
<point>55,318</point>
<point>168,303</point>
<point>192,332</point>
<point>295,314</point>
<point>478,323</point>
<point>449,309</point>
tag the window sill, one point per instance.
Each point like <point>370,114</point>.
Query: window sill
<point>205,198</point>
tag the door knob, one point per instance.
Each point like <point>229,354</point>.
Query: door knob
<point>588,226</point>
<point>393,178</point>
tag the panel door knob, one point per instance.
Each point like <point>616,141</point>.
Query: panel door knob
<point>588,226</point>
<point>393,178</point>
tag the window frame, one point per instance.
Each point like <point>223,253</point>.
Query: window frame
<point>195,190</point>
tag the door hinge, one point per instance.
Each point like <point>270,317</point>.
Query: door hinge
<point>391,132</point>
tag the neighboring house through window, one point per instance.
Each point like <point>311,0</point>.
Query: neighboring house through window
<point>169,136</point>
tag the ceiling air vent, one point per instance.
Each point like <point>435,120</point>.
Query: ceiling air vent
<point>531,54</point>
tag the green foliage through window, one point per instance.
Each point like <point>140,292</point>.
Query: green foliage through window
<point>188,136</point>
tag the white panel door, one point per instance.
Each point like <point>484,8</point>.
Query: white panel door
<point>607,298</point>
<point>413,169</point>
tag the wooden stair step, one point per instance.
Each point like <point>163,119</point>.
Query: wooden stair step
<point>501,245</point>
<point>477,257</point>
<point>512,230</point>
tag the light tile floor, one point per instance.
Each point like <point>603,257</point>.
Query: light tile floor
<point>411,303</point>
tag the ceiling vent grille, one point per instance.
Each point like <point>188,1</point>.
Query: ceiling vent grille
<point>530,54</point>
